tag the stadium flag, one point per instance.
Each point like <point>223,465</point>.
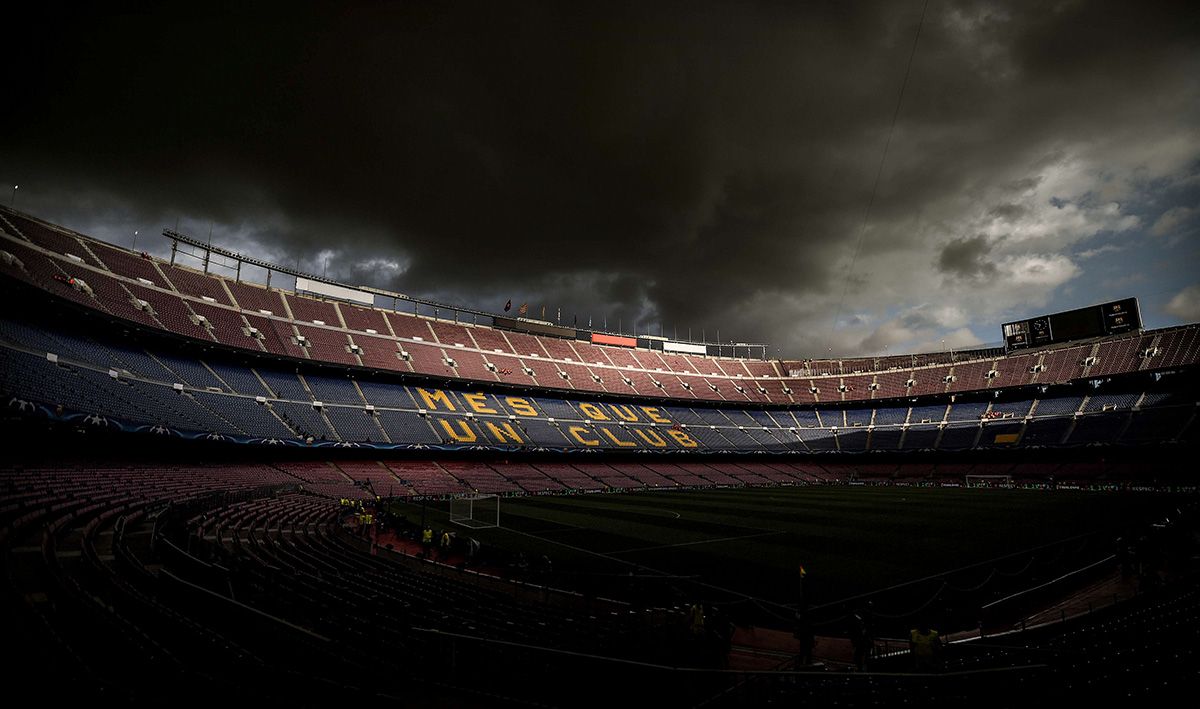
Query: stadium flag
<point>508,305</point>
<point>523,309</point>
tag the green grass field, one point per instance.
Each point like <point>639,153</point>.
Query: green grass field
<point>851,540</point>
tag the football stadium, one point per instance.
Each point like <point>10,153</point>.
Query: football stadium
<point>230,487</point>
<point>701,355</point>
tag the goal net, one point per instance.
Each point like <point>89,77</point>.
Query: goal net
<point>475,511</point>
<point>989,481</point>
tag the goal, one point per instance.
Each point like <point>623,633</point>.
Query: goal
<point>989,481</point>
<point>475,511</point>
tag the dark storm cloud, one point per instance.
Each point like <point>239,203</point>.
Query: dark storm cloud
<point>693,164</point>
<point>1011,212</point>
<point>967,258</point>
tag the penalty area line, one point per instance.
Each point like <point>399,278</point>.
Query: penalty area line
<point>699,541</point>
<point>634,564</point>
<point>582,550</point>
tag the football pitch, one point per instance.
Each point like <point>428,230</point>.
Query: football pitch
<point>850,540</point>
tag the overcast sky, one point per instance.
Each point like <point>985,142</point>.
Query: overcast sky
<point>676,165</point>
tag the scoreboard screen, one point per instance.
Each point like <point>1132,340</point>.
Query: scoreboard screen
<point>1093,321</point>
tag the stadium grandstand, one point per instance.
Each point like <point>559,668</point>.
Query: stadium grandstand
<point>222,488</point>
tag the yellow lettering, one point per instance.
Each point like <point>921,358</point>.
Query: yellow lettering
<point>612,437</point>
<point>467,435</point>
<point>682,438</point>
<point>479,403</point>
<point>649,435</point>
<point>520,406</point>
<point>577,432</point>
<point>653,415</point>
<point>504,432</point>
<point>624,413</point>
<point>432,397</point>
<point>593,412</point>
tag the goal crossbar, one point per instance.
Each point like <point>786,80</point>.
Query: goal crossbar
<point>475,511</point>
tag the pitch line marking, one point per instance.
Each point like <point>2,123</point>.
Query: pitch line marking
<point>701,541</point>
<point>575,548</point>
<point>744,596</point>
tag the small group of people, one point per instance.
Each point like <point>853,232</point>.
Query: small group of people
<point>444,540</point>
<point>926,645</point>
<point>531,567</point>
<point>711,632</point>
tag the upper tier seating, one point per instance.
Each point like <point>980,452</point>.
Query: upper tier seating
<point>209,307</point>
<point>132,387</point>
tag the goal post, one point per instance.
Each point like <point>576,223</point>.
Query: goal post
<point>475,511</point>
<point>989,481</point>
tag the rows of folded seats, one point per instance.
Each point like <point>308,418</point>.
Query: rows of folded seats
<point>428,359</point>
<point>969,376</point>
<point>380,353</point>
<point>1058,406</point>
<point>1149,425</point>
<point>247,415</point>
<point>1177,348</point>
<point>327,345</point>
<point>124,263</point>
<point>52,239</point>
<point>227,326</point>
<point>1118,355</point>
<point>191,371</point>
<point>311,310</point>
<point>573,477</point>
<point>544,433</point>
<point>407,427</point>
<point>480,477</point>
<point>426,477</point>
<point>413,327</point>
<point>276,336</point>
<point>1098,427</point>
<point>471,365</point>
<point>886,438</point>
<point>189,282</point>
<point>355,424</point>
<point>304,419</point>
<point>364,319</point>
<point>490,340</point>
<point>380,478</point>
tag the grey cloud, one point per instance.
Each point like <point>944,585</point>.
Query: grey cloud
<point>1009,212</point>
<point>967,258</point>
